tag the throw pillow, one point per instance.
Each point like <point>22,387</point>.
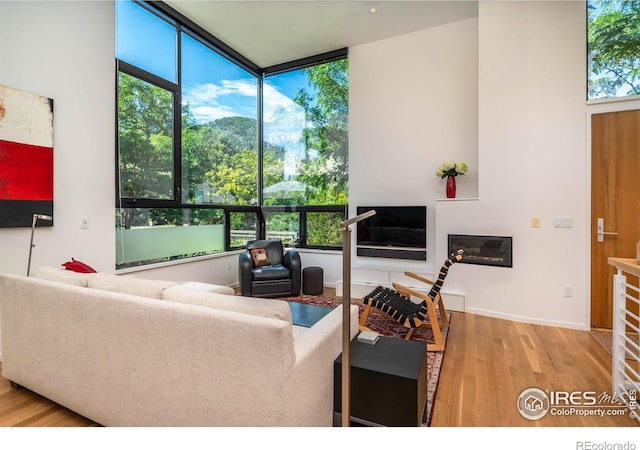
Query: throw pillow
<point>259,257</point>
<point>78,266</point>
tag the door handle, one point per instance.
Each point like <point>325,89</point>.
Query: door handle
<point>600,230</point>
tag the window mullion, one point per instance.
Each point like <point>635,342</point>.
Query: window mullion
<point>260,125</point>
<point>177,124</point>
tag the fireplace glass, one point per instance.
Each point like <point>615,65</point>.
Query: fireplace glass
<point>483,250</point>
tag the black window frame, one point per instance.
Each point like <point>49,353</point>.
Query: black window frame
<point>302,221</point>
<point>185,25</point>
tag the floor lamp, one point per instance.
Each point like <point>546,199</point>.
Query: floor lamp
<point>33,228</point>
<point>346,312</point>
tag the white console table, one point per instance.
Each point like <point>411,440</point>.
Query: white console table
<point>364,281</point>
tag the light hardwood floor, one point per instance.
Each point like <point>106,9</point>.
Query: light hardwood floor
<point>487,364</point>
<point>23,408</point>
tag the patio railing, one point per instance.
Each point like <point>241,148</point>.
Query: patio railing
<point>287,237</point>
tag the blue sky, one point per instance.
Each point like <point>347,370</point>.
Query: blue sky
<point>213,86</point>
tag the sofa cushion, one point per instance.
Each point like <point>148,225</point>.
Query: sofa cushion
<point>61,275</point>
<point>206,287</point>
<point>129,285</point>
<point>268,273</point>
<point>272,247</point>
<point>276,309</point>
<point>259,257</point>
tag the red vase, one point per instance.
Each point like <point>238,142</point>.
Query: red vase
<point>451,186</point>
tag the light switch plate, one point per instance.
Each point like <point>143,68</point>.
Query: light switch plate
<point>563,222</point>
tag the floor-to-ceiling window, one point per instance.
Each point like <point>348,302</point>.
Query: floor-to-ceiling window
<point>305,160</point>
<point>193,176</point>
<point>187,141</point>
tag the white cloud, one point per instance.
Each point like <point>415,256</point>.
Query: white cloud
<point>242,87</point>
<point>204,113</point>
<point>274,99</point>
<point>210,101</point>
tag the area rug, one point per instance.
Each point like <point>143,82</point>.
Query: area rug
<point>386,327</point>
<point>605,339</point>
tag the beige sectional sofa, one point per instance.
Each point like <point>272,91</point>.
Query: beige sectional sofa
<point>126,351</point>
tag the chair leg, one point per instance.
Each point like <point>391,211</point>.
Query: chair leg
<point>435,327</point>
<point>409,333</point>
<point>365,315</point>
<point>444,318</point>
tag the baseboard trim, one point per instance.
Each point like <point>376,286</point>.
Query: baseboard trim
<point>530,320</point>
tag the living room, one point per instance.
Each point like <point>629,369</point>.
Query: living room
<point>474,92</point>
<point>502,90</point>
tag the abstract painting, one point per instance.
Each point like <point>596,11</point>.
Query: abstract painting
<point>26,157</point>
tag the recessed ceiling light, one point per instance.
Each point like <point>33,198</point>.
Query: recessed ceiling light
<point>372,11</point>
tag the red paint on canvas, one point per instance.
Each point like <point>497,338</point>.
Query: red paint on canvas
<point>26,171</point>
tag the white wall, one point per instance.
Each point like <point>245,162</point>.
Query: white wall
<point>65,51</point>
<point>506,94</point>
<point>220,269</point>
<point>532,157</point>
<point>330,261</point>
<point>412,105</point>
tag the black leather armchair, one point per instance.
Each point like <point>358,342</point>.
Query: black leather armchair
<point>281,278</point>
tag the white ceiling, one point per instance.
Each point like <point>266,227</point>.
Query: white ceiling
<point>272,32</point>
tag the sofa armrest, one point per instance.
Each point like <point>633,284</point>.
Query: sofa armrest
<point>245,274</point>
<point>292,261</point>
<point>309,386</point>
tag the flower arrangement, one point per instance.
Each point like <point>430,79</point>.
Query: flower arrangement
<point>450,168</point>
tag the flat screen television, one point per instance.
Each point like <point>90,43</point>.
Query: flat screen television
<point>399,231</point>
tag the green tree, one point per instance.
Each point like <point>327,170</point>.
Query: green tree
<point>326,109</point>
<point>614,47</point>
<point>145,126</point>
<point>324,229</point>
<point>235,177</point>
<point>145,139</point>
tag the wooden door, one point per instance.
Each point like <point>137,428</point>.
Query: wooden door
<point>615,198</point>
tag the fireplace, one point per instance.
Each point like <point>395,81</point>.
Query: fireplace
<point>483,250</point>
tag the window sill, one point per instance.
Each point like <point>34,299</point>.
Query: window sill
<point>317,250</point>
<point>176,262</point>
<point>457,199</point>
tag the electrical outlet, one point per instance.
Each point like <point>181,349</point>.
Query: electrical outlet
<point>568,291</point>
<point>228,265</point>
<point>84,223</point>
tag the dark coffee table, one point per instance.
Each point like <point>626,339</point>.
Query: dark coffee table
<point>307,315</point>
